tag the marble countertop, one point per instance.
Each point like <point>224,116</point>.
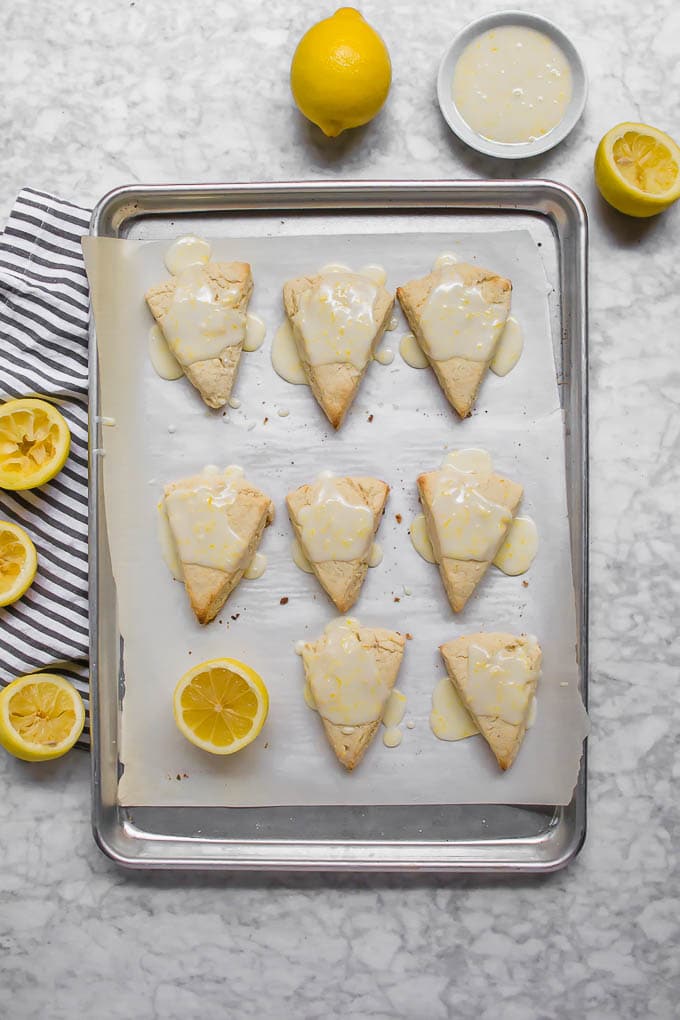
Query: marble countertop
<point>97,93</point>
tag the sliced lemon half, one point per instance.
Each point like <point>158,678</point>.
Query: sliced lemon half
<point>221,705</point>
<point>41,717</point>
<point>34,443</point>
<point>18,562</point>
<point>637,169</point>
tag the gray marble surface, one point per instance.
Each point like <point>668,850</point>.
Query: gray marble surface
<point>96,93</point>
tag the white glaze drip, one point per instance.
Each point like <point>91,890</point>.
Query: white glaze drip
<point>519,548</point>
<point>164,362</point>
<point>411,352</point>
<point>509,349</point>
<point>449,719</point>
<point>285,358</point>
<point>186,252</point>
<point>420,538</point>
<point>256,567</point>
<point>255,332</point>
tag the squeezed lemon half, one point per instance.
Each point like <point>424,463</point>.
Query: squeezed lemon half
<point>637,169</point>
<point>41,717</point>
<point>221,705</point>
<point>18,562</point>
<point>34,443</point>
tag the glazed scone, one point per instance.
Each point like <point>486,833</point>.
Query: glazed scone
<point>351,671</point>
<point>457,314</point>
<point>337,320</point>
<point>467,515</point>
<point>216,520</point>
<point>335,521</point>
<point>496,676</point>
<point>202,313</point>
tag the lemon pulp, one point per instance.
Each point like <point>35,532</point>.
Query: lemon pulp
<point>645,162</point>
<point>221,705</point>
<point>41,717</point>
<point>42,714</point>
<point>637,169</point>
<point>34,443</point>
<point>18,562</point>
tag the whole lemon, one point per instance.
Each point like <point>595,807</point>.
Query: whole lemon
<point>341,72</point>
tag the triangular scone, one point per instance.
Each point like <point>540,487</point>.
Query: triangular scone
<point>231,284</point>
<point>475,689</point>
<point>461,577</point>
<point>209,587</point>
<point>383,650</point>
<point>341,579</point>
<point>334,385</point>
<point>460,378</point>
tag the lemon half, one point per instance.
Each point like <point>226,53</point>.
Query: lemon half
<point>637,169</point>
<point>221,705</point>
<point>341,72</point>
<point>41,717</point>
<point>18,562</point>
<point>34,443</point>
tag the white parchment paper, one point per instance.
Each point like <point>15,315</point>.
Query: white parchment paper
<point>399,425</point>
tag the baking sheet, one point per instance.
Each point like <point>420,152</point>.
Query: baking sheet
<point>164,432</point>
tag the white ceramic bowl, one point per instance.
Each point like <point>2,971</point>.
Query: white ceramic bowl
<point>511,150</point>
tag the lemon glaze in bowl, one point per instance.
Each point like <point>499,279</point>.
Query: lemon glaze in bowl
<point>564,59</point>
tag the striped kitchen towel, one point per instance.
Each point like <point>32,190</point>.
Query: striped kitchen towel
<point>44,308</point>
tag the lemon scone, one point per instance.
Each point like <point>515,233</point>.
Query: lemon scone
<point>337,319</point>
<point>468,510</point>
<point>351,671</point>
<point>202,313</point>
<point>335,521</point>
<point>457,314</point>
<point>496,676</point>
<point>215,520</point>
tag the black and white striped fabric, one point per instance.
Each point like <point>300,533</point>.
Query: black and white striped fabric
<point>44,308</point>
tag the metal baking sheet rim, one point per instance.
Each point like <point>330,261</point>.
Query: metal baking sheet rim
<point>114,830</point>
